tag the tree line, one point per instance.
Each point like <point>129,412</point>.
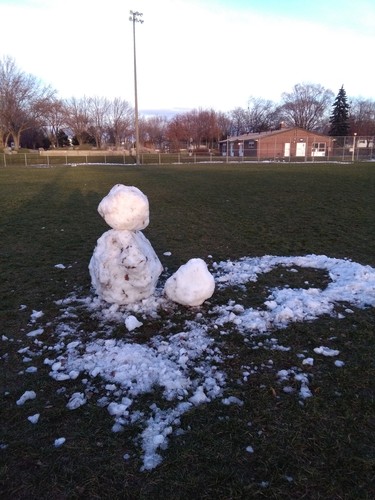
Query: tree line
<point>33,116</point>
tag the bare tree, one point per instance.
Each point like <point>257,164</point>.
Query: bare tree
<point>224,125</point>
<point>99,109</point>
<point>239,121</point>
<point>120,122</point>
<point>23,101</point>
<point>54,121</point>
<point>209,127</point>
<point>362,117</point>
<point>262,115</point>
<point>77,117</point>
<point>307,106</point>
<point>178,132</point>
<point>198,128</point>
<point>153,131</point>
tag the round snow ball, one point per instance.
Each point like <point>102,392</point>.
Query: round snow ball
<point>191,284</point>
<point>125,207</point>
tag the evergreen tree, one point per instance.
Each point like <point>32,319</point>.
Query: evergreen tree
<point>339,118</point>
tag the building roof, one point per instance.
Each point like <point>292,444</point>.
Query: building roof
<point>259,135</point>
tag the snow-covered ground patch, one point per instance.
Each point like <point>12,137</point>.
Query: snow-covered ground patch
<point>180,365</point>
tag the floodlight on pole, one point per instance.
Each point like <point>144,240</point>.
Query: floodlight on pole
<point>135,18</point>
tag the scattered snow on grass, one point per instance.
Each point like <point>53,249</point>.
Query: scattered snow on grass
<point>180,362</point>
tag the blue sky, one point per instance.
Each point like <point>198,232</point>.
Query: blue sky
<point>192,53</point>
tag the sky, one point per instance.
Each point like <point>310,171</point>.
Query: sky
<point>192,53</point>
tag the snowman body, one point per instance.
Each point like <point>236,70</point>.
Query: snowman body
<point>124,267</point>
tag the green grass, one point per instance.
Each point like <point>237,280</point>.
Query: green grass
<point>48,216</point>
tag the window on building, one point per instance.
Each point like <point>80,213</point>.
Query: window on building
<point>319,147</point>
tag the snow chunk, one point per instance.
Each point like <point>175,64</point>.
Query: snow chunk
<point>59,442</point>
<point>132,323</point>
<point>36,315</point>
<point>35,333</point>
<point>125,207</point>
<point>124,267</point>
<point>76,400</point>
<point>191,284</point>
<point>232,400</point>
<point>308,361</point>
<point>326,351</point>
<point>339,363</point>
<point>31,369</point>
<point>305,391</point>
<point>25,397</point>
<point>199,397</point>
<point>34,418</point>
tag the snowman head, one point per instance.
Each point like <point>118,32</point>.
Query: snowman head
<point>125,208</point>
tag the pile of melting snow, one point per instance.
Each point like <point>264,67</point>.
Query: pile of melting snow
<point>186,367</point>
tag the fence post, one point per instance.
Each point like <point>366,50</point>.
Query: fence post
<point>312,153</point>
<point>48,160</point>
<point>159,159</point>
<point>25,160</point>
<point>5,160</point>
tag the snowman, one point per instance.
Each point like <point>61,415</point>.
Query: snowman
<point>124,267</point>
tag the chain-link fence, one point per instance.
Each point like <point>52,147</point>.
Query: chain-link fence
<point>353,148</point>
<point>298,146</point>
<point>301,149</point>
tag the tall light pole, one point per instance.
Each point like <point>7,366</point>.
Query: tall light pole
<point>135,18</point>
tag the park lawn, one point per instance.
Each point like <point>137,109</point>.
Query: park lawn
<point>321,449</point>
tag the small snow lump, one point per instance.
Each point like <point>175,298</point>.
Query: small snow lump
<point>191,284</point>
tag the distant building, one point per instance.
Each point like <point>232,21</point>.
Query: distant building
<point>283,144</point>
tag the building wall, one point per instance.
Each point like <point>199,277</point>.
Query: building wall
<point>300,143</point>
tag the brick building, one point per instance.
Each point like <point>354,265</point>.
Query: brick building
<point>286,143</point>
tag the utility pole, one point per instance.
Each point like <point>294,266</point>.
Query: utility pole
<point>135,18</point>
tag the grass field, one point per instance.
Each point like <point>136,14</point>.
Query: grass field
<point>323,448</point>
